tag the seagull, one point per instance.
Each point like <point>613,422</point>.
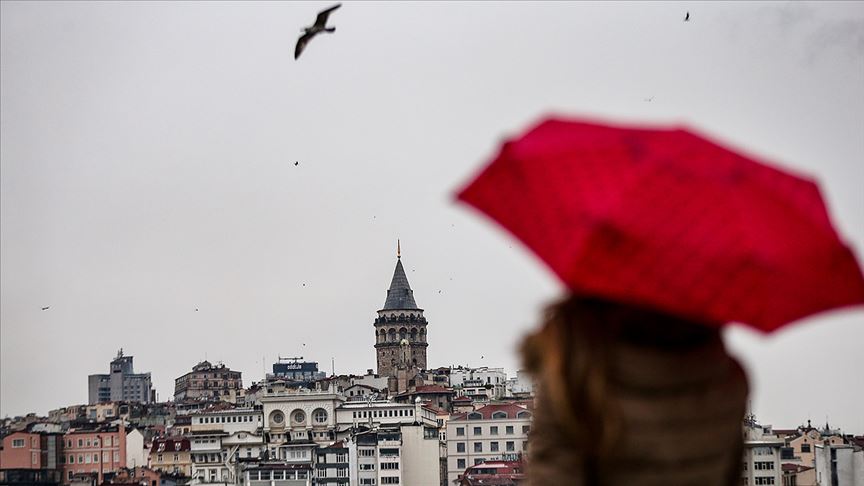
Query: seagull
<point>313,30</point>
<point>687,17</point>
<point>46,307</point>
<point>296,163</point>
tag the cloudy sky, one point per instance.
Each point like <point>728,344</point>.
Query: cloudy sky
<point>148,169</point>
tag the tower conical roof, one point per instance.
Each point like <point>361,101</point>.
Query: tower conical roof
<point>399,296</point>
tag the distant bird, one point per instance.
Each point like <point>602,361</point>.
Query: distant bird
<point>304,284</point>
<point>196,309</point>
<point>46,307</point>
<point>649,99</point>
<point>313,30</point>
<point>439,291</point>
<point>687,17</point>
<point>296,163</point>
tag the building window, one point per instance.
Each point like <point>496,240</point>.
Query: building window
<point>493,447</point>
<point>95,458</point>
<point>493,430</point>
<point>460,447</point>
<point>460,463</point>
<point>80,442</point>
<point>17,443</point>
<point>319,416</point>
<point>509,430</point>
<point>511,446</point>
<point>478,430</point>
<point>478,447</point>
<point>298,417</point>
<point>763,480</point>
<point>71,459</point>
<point>526,429</point>
<point>460,430</point>
<point>805,447</point>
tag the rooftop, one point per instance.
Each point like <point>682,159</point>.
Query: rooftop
<point>486,413</point>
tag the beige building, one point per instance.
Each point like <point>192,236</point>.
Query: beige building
<point>100,412</point>
<point>171,455</point>
<point>206,381</point>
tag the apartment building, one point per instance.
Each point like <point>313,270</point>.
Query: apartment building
<point>171,455</point>
<point>761,458</point>
<point>206,381</point>
<point>100,451</point>
<point>493,432</point>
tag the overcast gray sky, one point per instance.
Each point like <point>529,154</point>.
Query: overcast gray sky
<point>148,155</point>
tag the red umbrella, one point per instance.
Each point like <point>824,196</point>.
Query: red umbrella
<point>668,219</point>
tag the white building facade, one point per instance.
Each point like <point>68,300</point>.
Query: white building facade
<point>493,432</point>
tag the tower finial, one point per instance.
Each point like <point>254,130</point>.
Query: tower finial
<point>398,249</point>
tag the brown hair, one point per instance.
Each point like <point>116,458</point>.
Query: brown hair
<point>570,358</point>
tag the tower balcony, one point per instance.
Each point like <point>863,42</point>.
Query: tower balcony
<point>401,319</point>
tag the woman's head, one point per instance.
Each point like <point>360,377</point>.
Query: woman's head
<point>571,358</point>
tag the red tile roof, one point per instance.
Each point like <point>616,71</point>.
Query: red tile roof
<point>511,409</point>
<point>170,444</point>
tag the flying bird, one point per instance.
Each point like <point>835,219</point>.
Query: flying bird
<point>687,17</point>
<point>315,29</point>
<point>296,163</point>
<point>46,307</point>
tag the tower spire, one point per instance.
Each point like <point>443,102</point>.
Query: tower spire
<point>398,249</point>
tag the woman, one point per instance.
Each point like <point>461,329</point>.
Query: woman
<point>632,397</point>
<point>666,218</point>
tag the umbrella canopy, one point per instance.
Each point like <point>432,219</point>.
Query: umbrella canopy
<point>668,219</point>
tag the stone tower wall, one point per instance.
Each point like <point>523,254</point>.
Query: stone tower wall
<point>389,332</point>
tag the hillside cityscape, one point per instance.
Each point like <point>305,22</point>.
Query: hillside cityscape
<point>404,423</point>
